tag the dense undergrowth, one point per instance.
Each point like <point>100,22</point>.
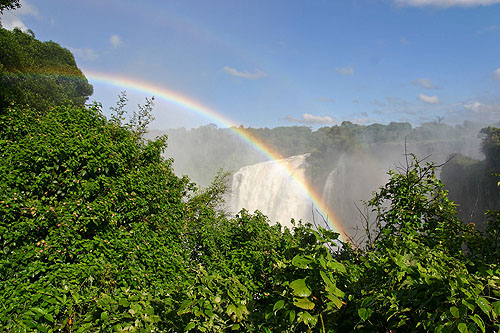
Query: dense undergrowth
<point>97,233</point>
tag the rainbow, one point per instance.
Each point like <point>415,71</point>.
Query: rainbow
<point>192,105</point>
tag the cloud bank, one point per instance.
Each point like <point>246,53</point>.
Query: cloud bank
<point>258,74</point>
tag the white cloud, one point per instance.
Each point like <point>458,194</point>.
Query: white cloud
<point>486,112</point>
<point>27,9</point>
<point>496,74</point>
<point>429,99</point>
<point>308,118</point>
<point>115,41</point>
<point>424,82</point>
<point>479,107</point>
<point>258,74</point>
<point>85,53</point>
<point>345,70</point>
<point>446,3</point>
<point>12,18</point>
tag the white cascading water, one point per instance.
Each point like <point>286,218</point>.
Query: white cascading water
<point>267,187</point>
<point>335,185</point>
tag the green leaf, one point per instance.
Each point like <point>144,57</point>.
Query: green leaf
<point>462,328</point>
<point>336,266</point>
<point>49,317</point>
<point>303,303</point>
<point>300,288</point>
<point>484,305</point>
<point>240,311</point>
<point>307,318</point>
<point>325,278</point>
<point>364,313</point>
<point>300,261</point>
<point>479,322</point>
<point>468,304</point>
<point>123,302</point>
<point>279,305</point>
<point>454,312</point>
<point>189,326</point>
<point>104,315</point>
<point>496,307</point>
<point>335,300</point>
<point>291,316</point>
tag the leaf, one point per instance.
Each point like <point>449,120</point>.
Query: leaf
<point>104,315</point>
<point>189,326</point>
<point>336,266</point>
<point>300,288</point>
<point>462,328</point>
<point>49,317</point>
<point>279,305</point>
<point>336,301</point>
<point>364,313</point>
<point>479,322</point>
<point>307,318</point>
<point>303,303</point>
<point>484,305</point>
<point>496,307</point>
<point>300,261</point>
<point>468,304</point>
<point>454,311</point>
<point>240,311</point>
<point>325,278</point>
<point>123,302</point>
<point>291,316</point>
<point>230,309</point>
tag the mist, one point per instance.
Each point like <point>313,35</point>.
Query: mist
<point>344,163</point>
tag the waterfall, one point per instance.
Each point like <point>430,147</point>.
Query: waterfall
<point>334,190</point>
<point>267,187</point>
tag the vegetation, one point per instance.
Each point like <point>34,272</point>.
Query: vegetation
<point>9,4</point>
<point>473,183</point>
<point>41,74</point>
<point>98,234</point>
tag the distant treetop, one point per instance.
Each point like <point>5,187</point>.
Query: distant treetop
<point>40,74</point>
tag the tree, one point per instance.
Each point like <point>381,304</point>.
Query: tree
<point>490,145</point>
<point>41,74</point>
<point>9,5</point>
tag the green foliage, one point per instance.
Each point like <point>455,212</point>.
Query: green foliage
<point>83,202</point>
<point>41,74</point>
<point>98,234</point>
<point>9,5</point>
<point>414,274</point>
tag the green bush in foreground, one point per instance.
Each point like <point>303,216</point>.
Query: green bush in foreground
<point>98,234</point>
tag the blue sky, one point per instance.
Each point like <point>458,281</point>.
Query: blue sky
<point>283,63</point>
